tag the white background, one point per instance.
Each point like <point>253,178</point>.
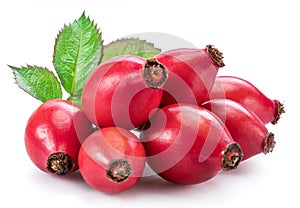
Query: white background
<point>260,42</point>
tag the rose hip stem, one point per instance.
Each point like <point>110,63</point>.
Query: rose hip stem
<point>244,126</point>
<point>191,72</point>
<point>245,93</point>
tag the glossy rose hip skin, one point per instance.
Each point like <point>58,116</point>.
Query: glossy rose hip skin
<point>244,126</point>
<point>192,73</point>
<point>245,93</point>
<point>53,136</point>
<point>112,160</point>
<point>187,144</point>
<point>119,88</point>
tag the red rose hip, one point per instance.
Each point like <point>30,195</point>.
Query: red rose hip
<point>192,73</point>
<point>245,93</point>
<point>123,91</point>
<point>244,126</point>
<point>187,144</point>
<point>54,134</point>
<point>112,160</point>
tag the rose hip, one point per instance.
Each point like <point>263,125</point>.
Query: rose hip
<point>187,144</point>
<point>112,160</point>
<point>245,93</point>
<point>192,73</point>
<point>123,91</point>
<point>244,126</point>
<point>53,136</point>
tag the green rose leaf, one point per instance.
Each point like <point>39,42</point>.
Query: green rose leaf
<point>38,82</point>
<point>77,51</point>
<point>132,46</point>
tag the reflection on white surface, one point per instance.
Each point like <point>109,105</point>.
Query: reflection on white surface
<point>260,42</point>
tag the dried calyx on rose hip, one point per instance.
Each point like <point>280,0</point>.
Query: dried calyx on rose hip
<point>187,144</point>
<point>183,143</point>
<point>245,93</point>
<point>191,72</point>
<point>123,91</point>
<point>112,160</point>
<point>244,126</point>
<point>53,136</point>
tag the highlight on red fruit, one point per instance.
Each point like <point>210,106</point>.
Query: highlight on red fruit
<point>192,73</point>
<point>53,136</point>
<point>123,91</point>
<point>244,126</point>
<point>245,93</point>
<point>168,110</point>
<point>187,144</point>
<point>112,160</point>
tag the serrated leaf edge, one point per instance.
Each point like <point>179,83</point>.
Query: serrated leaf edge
<point>56,40</point>
<point>31,66</point>
<point>126,39</point>
<point>92,22</point>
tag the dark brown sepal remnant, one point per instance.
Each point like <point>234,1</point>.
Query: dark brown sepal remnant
<point>269,143</point>
<point>154,73</point>
<point>118,170</point>
<point>280,110</point>
<point>216,55</point>
<point>59,163</point>
<point>231,156</point>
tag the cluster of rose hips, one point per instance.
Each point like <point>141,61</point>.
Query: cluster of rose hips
<point>192,123</point>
